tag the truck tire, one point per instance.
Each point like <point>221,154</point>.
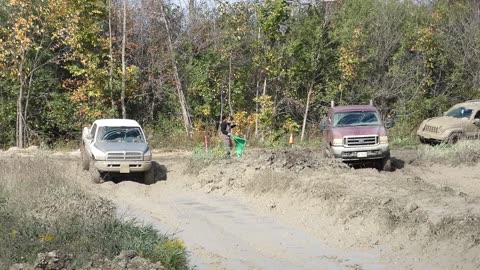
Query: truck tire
<point>95,175</point>
<point>387,165</point>
<point>384,164</point>
<point>421,140</point>
<point>149,176</point>
<point>85,159</point>
<point>454,138</point>
<point>325,151</point>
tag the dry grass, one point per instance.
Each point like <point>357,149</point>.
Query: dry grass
<point>42,209</point>
<point>463,152</point>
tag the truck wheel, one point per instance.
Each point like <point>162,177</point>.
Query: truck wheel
<point>384,164</point>
<point>85,159</point>
<point>149,176</point>
<point>387,165</point>
<point>454,138</point>
<point>94,174</point>
<point>326,152</point>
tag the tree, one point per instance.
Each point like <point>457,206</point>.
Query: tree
<point>311,58</point>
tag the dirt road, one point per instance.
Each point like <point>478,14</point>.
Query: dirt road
<point>224,232</point>
<point>290,209</point>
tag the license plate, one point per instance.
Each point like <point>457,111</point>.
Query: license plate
<point>124,168</point>
<point>361,154</point>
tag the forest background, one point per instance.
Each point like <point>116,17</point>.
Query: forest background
<point>178,67</point>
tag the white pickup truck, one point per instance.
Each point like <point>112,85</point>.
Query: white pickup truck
<point>116,146</point>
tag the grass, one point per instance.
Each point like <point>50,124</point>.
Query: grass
<point>42,209</point>
<point>463,152</point>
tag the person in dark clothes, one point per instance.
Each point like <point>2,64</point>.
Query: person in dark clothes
<point>225,134</point>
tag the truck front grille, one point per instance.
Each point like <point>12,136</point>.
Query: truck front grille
<point>123,155</point>
<point>430,129</point>
<point>360,140</point>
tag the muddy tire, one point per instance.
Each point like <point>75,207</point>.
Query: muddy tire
<point>149,176</point>
<point>326,152</point>
<point>85,159</point>
<point>421,140</point>
<point>95,175</point>
<point>387,165</point>
<point>384,164</point>
<point>454,138</point>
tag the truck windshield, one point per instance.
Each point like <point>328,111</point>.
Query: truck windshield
<point>356,118</point>
<point>459,112</point>
<point>120,134</point>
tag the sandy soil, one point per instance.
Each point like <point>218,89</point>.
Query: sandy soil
<point>291,209</point>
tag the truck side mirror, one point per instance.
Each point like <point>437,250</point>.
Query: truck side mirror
<point>89,136</point>
<point>389,123</point>
<point>476,122</point>
<point>322,125</point>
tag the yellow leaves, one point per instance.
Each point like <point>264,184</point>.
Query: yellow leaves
<point>175,244</point>
<point>206,110</point>
<point>291,126</point>
<point>241,119</point>
<point>348,63</point>
<point>350,56</point>
<point>47,237</point>
<point>13,233</point>
<point>18,3</point>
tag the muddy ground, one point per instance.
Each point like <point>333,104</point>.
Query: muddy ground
<point>292,209</point>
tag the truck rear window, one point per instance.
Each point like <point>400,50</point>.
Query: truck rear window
<point>356,118</point>
<point>120,134</point>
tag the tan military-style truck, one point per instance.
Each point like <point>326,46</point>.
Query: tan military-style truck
<point>116,146</point>
<point>462,121</point>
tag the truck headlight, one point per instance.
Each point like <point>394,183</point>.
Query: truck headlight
<point>98,155</point>
<point>147,156</point>
<point>337,142</point>
<point>383,139</point>
<point>441,129</point>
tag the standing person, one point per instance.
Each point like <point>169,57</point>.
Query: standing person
<point>225,133</point>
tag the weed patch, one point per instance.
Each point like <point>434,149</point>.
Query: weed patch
<point>42,209</point>
<point>463,152</point>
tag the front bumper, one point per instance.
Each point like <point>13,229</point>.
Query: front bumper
<point>369,152</point>
<point>431,136</point>
<point>123,166</point>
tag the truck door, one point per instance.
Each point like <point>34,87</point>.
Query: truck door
<point>472,128</point>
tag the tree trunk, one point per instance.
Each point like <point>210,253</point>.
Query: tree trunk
<point>230,85</point>
<point>191,19</point>
<point>20,107</point>
<point>110,72</point>
<point>310,90</point>
<point>256,109</point>
<point>181,97</point>
<point>221,105</point>
<point>263,94</point>
<point>264,86</point>
<point>25,110</point>
<point>124,40</point>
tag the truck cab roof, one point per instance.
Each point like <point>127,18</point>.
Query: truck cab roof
<point>116,122</point>
<point>351,108</point>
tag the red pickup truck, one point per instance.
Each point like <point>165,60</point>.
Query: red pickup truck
<point>356,134</point>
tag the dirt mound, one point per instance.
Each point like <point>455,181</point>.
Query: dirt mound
<point>57,260</point>
<point>393,207</point>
